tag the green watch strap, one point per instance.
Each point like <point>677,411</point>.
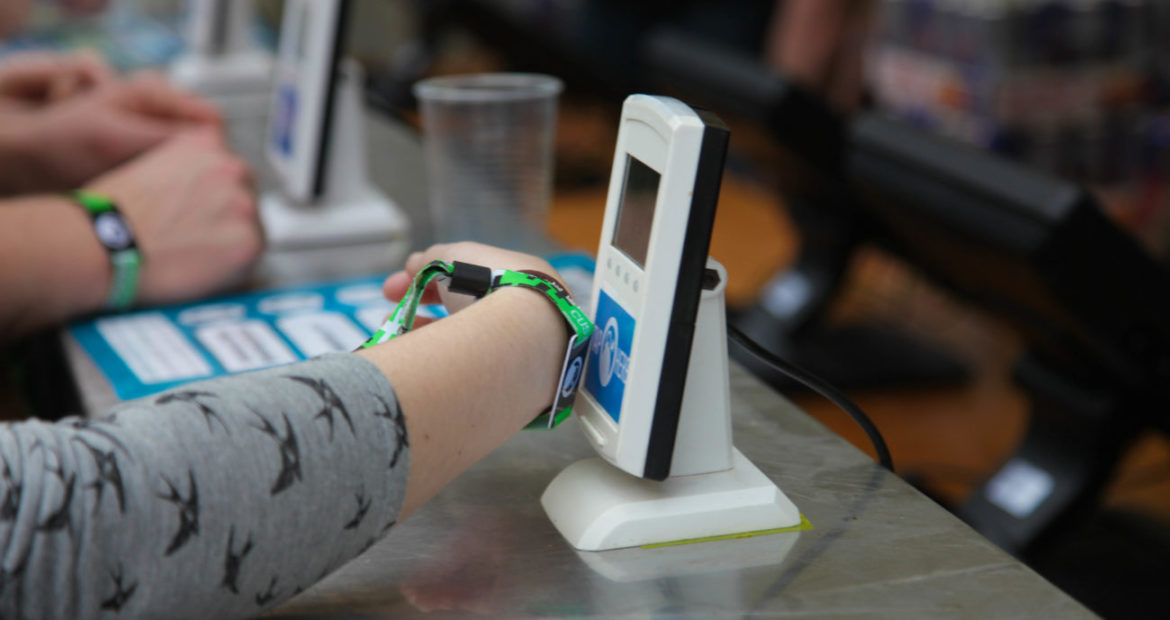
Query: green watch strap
<point>124,282</point>
<point>94,203</point>
<point>125,258</point>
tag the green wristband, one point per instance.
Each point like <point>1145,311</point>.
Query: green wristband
<point>479,281</point>
<point>114,233</point>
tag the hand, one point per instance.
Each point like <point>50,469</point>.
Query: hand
<point>470,381</point>
<point>396,286</point>
<point>64,145</point>
<point>41,78</point>
<point>191,208</point>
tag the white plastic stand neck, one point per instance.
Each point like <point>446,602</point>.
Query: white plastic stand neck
<point>351,210</point>
<point>221,61</point>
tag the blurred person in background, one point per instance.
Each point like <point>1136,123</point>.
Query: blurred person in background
<point>820,44</point>
<point>68,122</point>
<point>817,43</point>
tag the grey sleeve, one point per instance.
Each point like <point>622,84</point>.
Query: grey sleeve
<point>219,499</point>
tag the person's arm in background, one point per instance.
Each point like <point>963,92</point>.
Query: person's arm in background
<point>223,498</point>
<point>820,44</point>
<point>63,145</point>
<point>66,117</point>
<point>190,206</point>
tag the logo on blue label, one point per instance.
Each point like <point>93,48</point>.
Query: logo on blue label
<point>609,359</point>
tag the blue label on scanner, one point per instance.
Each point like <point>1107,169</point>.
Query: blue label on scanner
<point>609,359</point>
<point>284,119</point>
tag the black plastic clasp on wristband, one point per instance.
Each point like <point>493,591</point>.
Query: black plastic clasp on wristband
<point>468,279</point>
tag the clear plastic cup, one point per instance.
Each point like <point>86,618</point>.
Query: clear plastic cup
<point>488,140</point>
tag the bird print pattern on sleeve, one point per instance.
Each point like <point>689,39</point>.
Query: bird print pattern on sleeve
<point>12,492</point>
<point>188,511</point>
<point>122,591</point>
<point>108,475</point>
<point>330,403</point>
<point>290,453</point>
<point>393,414</point>
<point>192,397</point>
<point>196,502</point>
<point>363,506</point>
<point>233,560</point>
<point>61,517</point>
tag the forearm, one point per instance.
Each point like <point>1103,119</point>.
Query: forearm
<point>54,267</point>
<point>470,381</point>
<point>217,500</point>
<point>222,498</point>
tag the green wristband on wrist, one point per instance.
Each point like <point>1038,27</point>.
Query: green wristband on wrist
<point>479,281</point>
<point>113,232</point>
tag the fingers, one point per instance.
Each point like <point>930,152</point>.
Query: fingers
<point>24,76</point>
<point>149,94</point>
<point>86,69</point>
<point>398,284</point>
<point>417,260</point>
<point>470,252</point>
<point>477,254</point>
<point>44,77</point>
<point>93,66</point>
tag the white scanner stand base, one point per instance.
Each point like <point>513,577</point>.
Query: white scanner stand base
<point>713,489</point>
<point>351,210</point>
<point>367,217</point>
<point>596,506</point>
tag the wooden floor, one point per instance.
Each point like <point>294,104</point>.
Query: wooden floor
<point>950,438</point>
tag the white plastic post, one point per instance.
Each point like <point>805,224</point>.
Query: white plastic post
<point>221,61</point>
<point>351,209</point>
<point>713,489</point>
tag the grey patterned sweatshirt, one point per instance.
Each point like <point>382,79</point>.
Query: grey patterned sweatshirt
<point>219,499</point>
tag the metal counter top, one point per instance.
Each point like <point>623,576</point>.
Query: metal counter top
<point>877,547</point>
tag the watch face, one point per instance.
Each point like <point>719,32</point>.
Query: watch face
<point>112,231</point>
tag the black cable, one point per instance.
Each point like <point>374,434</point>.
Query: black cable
<point>819,386</point>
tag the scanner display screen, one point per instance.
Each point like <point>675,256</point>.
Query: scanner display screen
<point>636,210</point>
